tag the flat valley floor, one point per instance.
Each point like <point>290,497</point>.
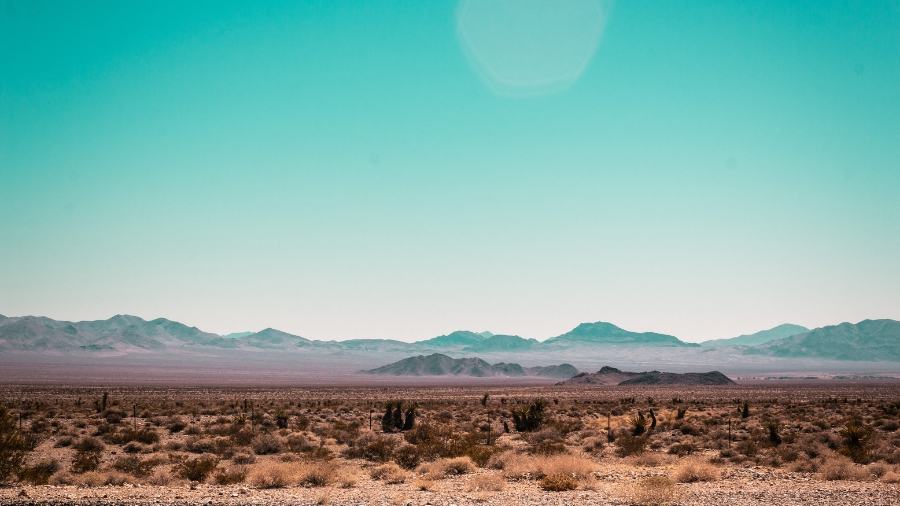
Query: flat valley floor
<point>817,442</point>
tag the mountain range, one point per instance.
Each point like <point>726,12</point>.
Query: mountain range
<point>869,340</point>
<point>438,364</point>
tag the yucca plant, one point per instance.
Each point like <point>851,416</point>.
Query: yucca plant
<point>638,424</point>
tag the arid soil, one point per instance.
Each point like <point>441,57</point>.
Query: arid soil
<point>767,443</point>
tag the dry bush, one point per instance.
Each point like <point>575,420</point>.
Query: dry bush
<point>443,468</point>
<point>322,473</point>
<point>266,444</point>
<point>196,469</point>
<point>693,470</point>
<point>373,447</point>
<point>652,491</point>
<point>230,476</point>
<point>243,459</point>
<point>485,483</point>
<point>99,479</point>
<point>558,483</point>
<point>389,473</point>
<point>40,473</point>
<point>425,484</point>
<point>891,477</point>
<point>523,466</point>
<point>61,479</point>
<point>841,468</point>
<point>272,475</point>
<point>627,444</point>
<point>648,459</point>
<point>160,477</point>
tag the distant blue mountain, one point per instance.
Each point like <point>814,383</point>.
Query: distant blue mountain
<point>758,338</point>
<point>603,333</point>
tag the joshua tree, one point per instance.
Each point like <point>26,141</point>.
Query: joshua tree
<point>387,421</point>
<point>529,419</point>
<point>398,415</point>
<point>484,400</point>
<point>410,417</point>
<point>745,410</point>
<point>638,424</point>
<point>652,419</point>
<point>774,436</point>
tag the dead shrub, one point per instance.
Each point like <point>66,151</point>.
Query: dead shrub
<point>626,445</point>
<point>266,444</point>
<point>443,468</point>
<point>196,469</point>
<point>485,483</point>
<point>243,459</point>
<point>389,473</point>
<point>373,447</point>
<point>230,476</point>
<point>135,466</point>
<point>692,471</point>
<point>652,491</point>
<point>558,483</point>
<point>842,468</point>
<point>40,473</point>
<point>272,475</point>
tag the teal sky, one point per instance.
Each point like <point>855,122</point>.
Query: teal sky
<point>354,170</point>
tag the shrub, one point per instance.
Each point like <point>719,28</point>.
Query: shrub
<point>40,473</point>
<point>841,468</point>
<point>389,473</point>
<point>443,468</point>
<point>196,469</point>
<point>692,471</point>
<point>682,449</point>
<point>558,483</point>
<point>134,466</point>
<point>13,447</point>
<point>272,475</point>
<point>653,491</point>
<point>630,445</point>
<point>87,455</point>
<point>266,444</point>
<point>374,447</point>
<point>63,442</point>
<point>485,483</point>
<point>231,476</point>
<point>243,458</point>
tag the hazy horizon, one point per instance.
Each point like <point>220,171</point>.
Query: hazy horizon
<point>341,171</point>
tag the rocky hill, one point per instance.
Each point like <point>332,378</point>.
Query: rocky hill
<point>438,364</point>
<point>612,376</point>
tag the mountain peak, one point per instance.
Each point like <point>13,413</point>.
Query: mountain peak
<point>607,333</point>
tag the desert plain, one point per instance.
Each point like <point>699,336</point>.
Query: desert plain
<point>758,442</point>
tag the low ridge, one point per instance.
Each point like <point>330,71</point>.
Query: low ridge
<point>612,376</point>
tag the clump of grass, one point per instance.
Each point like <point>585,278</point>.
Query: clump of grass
<point>443,468</point>
<point>389,473</point>
<point>558,483</point>
<point>485,483</point>
<point>652,491</point>
<point>693,470</point>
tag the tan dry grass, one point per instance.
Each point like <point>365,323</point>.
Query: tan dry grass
<point>389,473</point>
<point>517,466</point>
<point>652,491</point>
<point>695,470</point>
<point>444,468</point>
<point>486,483</point>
